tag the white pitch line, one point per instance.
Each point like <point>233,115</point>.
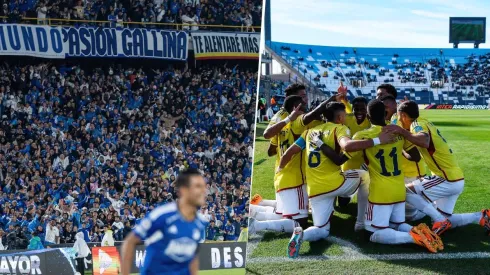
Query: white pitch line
<point>375,257</point>
<point>352,252</point>
<point>253,241</point>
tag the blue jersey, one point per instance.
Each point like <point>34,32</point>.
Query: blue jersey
<point>171,241</point>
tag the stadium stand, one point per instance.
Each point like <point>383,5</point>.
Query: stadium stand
<point>171,14</point>
<point>429,76</point>
<point>93,148</point>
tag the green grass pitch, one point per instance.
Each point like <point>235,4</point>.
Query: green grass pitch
<point>468,134</point>
<point>462,32</point>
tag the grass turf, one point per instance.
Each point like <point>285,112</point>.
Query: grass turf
<point>468,134</point>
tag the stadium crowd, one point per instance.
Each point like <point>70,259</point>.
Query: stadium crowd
<point>475,72</point>
<point>94,150</point>
<point>192,13</point>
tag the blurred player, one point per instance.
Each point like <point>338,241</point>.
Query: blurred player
<point>435,195</point>
<point>385,215</point>
<point>171,232</point>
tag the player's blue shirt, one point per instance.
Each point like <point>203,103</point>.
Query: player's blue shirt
<point>171,241</point>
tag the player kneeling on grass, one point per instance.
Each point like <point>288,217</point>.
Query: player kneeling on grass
<point>326,181</point>
<point>385,214</point>
<point>435,195</point>
<point>292,200</point>
<point>291,194</point>
<point>285,127</point>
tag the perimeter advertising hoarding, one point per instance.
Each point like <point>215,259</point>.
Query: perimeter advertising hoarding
<point>212,256</point>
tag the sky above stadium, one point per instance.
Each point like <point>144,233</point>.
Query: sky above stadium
<point>372,23</point>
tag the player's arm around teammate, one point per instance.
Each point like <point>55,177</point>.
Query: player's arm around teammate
<point>275,129</point>
<point>447,182</point>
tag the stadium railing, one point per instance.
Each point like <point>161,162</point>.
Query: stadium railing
<point>59,22</point>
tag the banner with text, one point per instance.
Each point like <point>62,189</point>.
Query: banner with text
<point>221,45</point>
<point>62,42</point>
<point>55,261</point>
<point>225,255</point>
<point>457,107</point>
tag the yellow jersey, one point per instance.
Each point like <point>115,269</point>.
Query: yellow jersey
<point>291,175</point>
<point>384,164</point>
<point>322,175</point>
<point>411,169</point>
<point>439,157</point>
<point>348,106</point>
<point>312,124</point>
<point>351,122</point>
<point>279,116</point>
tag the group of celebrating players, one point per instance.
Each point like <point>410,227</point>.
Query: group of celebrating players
<point>377,149</point>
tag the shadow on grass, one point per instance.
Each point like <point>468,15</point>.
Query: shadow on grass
<point>451,124</point>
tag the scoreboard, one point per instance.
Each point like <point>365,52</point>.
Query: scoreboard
<point>467,30</point>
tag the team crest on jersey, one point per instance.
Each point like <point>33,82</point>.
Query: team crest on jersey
<point>196,235</point>
<point>181,249</point>
<point>172,229</point>
<point>418,129</point>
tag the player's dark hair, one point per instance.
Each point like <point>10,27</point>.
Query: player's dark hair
<point>376,112</point>
<point>183,179</point>
<point>291,101</point>
<point>294,88</point>
<point>331,110</point>
<point>387,98</point>
<point>410,108</point>
<point>359,99</point>
<point>389,89</point>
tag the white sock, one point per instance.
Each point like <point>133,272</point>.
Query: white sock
<point>264,216</point>
<point>362,198</point>
<point>284,225</point>
<point>391,236</point>
<point>464,219</point>
<point>412,214</point>
<point>313,233</point>
<point>260,208</point>
<point>403,227</point>
<point>271,203</point>
<point>423,205</point>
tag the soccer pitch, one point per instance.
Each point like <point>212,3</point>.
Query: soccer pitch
<point>463,32</point>
<point>467,250</point>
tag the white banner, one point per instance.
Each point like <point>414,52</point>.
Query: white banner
<point>61,42</point>
<point>224,45</point>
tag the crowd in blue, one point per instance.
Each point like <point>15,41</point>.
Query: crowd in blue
<point>93,150</point>
<point>193,12</point>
